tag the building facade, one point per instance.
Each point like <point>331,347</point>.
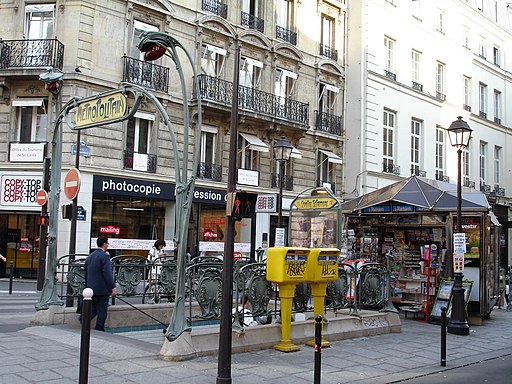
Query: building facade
<point>413,67</point>
<point>292,83</point>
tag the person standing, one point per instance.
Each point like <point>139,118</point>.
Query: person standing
<point>99,277</point>
<point>153,256</point>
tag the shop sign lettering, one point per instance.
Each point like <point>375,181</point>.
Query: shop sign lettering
<point>20,190</point>
<point>315,203</point>
<point>101,110</point>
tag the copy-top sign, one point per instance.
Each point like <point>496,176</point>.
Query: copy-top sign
<point>101,110</point>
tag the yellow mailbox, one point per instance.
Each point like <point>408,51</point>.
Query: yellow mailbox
<point>322,268</point>
<point>286,266</point>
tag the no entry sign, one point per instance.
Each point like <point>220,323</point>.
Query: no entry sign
<point>41,197</point>
<point>72,183</point>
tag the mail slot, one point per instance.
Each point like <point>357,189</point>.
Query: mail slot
<point>323,265</point>
<point>287,264</point>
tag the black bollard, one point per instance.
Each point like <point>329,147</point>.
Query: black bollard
<point>83,376</point>
<point>11,276</point>
<point>318,348</point>
<point>443,336</point>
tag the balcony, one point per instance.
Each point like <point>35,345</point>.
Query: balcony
<point>485,188</point>
<point>440,96</point>
<point>215,7</point>
<point>286,35</point>
<point>497,120</point>
<point>441,177</point>
<point>326,183</point>
<point>467,107</point>
<point>328,123</point>
<point>482,114</point>
<point>469,184</point>
<point>252,22</point>
<point>287,181</point>
<point>498,191</point>
<point>145,74</point>
<point>139,161</point>
<point>391,168</point>
<point>253,100</point>
<point>329,52</point>
<point>209,171</point>
<point>33,53</point>
<point>390,75</point>
<point>418,172</point>
<point>417,86</point>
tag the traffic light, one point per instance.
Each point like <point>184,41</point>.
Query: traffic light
<point>44,220</point>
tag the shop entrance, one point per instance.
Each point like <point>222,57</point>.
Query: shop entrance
<point>19,243</point>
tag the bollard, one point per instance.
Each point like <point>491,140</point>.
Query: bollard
<point>318,348</point>
<point>443,337</point>
<point>11,276</point>
<point>83,375</point>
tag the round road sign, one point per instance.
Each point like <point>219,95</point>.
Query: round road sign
<point>41,197</point>
<point>72,183</point>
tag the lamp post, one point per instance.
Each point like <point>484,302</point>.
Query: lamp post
<point>459,133</point>
<point>282,152</point>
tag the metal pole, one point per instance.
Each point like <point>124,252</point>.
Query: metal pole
<point>43,231</point>
<point>458,324</point>
<point>11,275</point>
<point>443,336</point>
<point>318,349</point>
<point>83,376</point>
<point>280,212</point>
<point>224,360</point>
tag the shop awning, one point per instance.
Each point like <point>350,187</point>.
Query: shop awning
<point>429,194</point>
<point>254,143</point>
<point>27,102</point>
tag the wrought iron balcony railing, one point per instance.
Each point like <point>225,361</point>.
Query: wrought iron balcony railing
<point>252,22</point>
<point>497,120</point>
<point>391,168</point>
<point>485,188</point>
<point>145,74</point>
<point>469,184</point>
<point>467,107</point>
<point>250,99</point>
<point>323,183</point>
<point>209,171</point>
<point>287,181</point>
<point>483,114</point>
<point>146,166</point>
<point>215,7</point>
<point>329,52</point>
<point>441,177</point>
<point>440,96</point>
<point>328,123</point>
<point>286,35</point>
<point>417,86</point>
<point>499,191</point>
<point>31,53</point>
<point>390,75</point>
<point>418,172</point>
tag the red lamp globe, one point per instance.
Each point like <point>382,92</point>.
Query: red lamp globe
<point>155,52</point>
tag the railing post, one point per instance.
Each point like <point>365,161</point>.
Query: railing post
<point>443,337</point>
<point>318,349</point>
<point>11,276</point>
<point>83,376</point>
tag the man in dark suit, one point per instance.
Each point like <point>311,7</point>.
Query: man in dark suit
<point>98,277</point>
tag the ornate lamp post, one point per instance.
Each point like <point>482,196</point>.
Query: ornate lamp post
<point>459,133</point>
<point>155,45</point>
<point>282,153</point>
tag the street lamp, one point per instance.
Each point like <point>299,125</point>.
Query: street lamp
<point>459,134</point>
<point>282,152</point>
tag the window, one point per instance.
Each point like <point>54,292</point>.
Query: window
<point>482,50</point>
<point>138,133</point>
<point>496,53</point>
<point>467,93</point>
<point>327,98</point>
<point>440,81</point>
<point>284,83</point>
<point>208,144</point>
<point>439,153</point>
<point>483,154</point>
<point>138,28</point>
<point>389,45</point>
<point>465,37</point>
<point>388,132</point>
<point>497,106</point>
<point>32,120</point>
<point>250,72</point>
<point>327,32</point>
<point>212,60</point>
<point>440,21</point>
<point>326,173</point>
<point>415,146</point>
<point>249,152</point>
<point>250,7</point>
<point>39,21</point>
<point>465,166</point>
<point>416,59</point>
<point>497,165</point>
<point>416,8</point>
<point>483,100</point>
<point>285,14</point>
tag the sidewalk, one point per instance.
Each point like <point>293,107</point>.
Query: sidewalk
<point>50,354</point>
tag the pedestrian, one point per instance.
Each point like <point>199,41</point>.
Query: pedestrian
<point>99,277</point>
<point>157,250</point>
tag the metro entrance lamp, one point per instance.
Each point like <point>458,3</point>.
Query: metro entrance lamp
<point>459,134</point>
<point>282,152</point>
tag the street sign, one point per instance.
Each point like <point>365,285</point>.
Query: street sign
<point>41,197</point>
<point>72,183</point>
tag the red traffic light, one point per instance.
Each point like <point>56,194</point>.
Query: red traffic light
<point>155,52</point>
<point>44,220</point>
